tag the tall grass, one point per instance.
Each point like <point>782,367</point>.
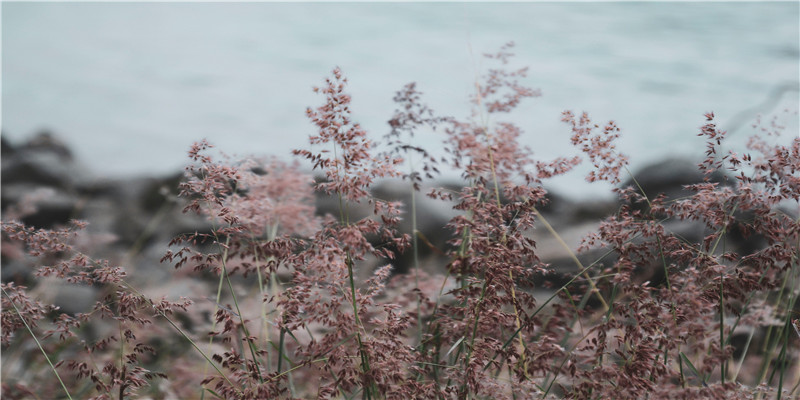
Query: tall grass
<point>317,311</point>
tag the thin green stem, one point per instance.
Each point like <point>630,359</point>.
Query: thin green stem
<point>474,329</point>
<point>722,322</point>
<point>248,338</point>
<point>368,385</point>
<point>574,258</point>
<point>184,334</point>
<point>415,253</point>
<point>213,328</point>
<point>38,344</point>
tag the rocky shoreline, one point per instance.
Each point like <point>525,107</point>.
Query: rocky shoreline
<point>132,220</point>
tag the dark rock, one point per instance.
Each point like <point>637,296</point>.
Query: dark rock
<point>432,217</point>
<point>74,299</point>
<point>562,212</point>
<point>70,298</point>
<point>38,206</point>
<point>592,211</point>
<point>46,141</point>
<point>43,160</point>
<point>670,176</point>
<point>17,272</point>
<point>6,148</point>
<point>329,204</point>
<point>55,212</point>
<point>156,191</point>
<point>98,187</point>
<point>556,209</point>
<point>563,269</point>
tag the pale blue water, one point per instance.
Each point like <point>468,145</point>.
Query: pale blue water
<point>131,86</point>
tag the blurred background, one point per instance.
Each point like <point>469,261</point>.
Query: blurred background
<point>130,86</point>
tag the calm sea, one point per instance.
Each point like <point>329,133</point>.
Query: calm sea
<point>130,86</point>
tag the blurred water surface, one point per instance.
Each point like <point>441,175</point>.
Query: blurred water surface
<point>130,86</point>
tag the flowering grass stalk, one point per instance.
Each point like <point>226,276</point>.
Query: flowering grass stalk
<point>643,308</point>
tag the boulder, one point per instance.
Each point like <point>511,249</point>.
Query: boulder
<point>43,160</point>
<point>670,176</point>
<point>38,206</point>
<point>70,298</point>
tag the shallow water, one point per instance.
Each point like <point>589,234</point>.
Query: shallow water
<point>131,86</point>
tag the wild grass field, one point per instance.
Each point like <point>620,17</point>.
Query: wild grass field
<point>286,301</point>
